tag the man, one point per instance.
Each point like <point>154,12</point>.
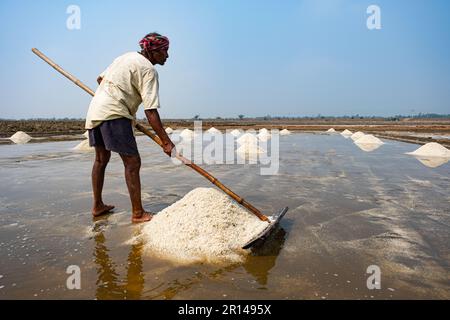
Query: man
<point>129,81</point>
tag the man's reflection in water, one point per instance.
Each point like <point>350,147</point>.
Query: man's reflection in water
<point>109,285</point>
<point>264,256</point>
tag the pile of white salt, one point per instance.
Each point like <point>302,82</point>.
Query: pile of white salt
<point>235,132</point>
<point>431,149</point>
<point>331,130</point>
<point>204,226</point>
<point>346,132</point>
<point>357,135</point>
<point>368,142</point>
<point>247,138</point>
<point>83,146</point>
<point>369,139</point>
<point>213,130</point>
<point>285,132</point>
<point>169,130</point>
<point>20,137</point>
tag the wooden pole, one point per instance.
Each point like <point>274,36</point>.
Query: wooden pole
<point>155,138</point>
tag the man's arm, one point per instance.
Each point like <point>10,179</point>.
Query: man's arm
<point>155,121</point>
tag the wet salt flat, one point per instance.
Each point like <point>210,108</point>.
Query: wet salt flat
<point>349,209</point>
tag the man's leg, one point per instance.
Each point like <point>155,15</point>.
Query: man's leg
<point>132,165</point>
<point>98,176</point>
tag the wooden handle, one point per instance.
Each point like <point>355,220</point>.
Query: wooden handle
<point>155,138</point>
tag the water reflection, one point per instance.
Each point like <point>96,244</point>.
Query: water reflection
<point>432,162</point>
<point>264,257</point>
<point>109,285</point>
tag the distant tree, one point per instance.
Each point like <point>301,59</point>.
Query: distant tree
<point>241,116</point>
<point>196,117</point>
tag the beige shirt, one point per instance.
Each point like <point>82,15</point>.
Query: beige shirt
<point>129,81</point>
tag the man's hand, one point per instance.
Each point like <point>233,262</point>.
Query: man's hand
<point>155,122</point>
<point>168,147</point>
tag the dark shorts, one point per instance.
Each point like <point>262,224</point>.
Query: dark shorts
<point>115,135</point>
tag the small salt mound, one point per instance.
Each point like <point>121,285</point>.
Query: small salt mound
<point>86,134</point>
<point>187,134</point>
<point>213,130</point>
<point>235,132</point>
<point>331,130</point>
<point>284,132</point>
<point>346,132</point>
<point>263,131</point>
<point>83,146</point>
<point>357,135</point>
<point>368,147</point>
<point>204,226</point>
<point>20,137</point>
<point>431,149</point>
<point>169,130</point>
<point>247,138</point>
<point>250,149</point>
<point>369,139</point>
<point>264,136</point>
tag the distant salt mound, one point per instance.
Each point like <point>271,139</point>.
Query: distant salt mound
<point>213,130</point>
<point>368,147</point>
<point>86,134</point>
<point>169,130</point>
<point>236,133</point>
<point>83,146</point>
<point>247,138</point>
<point>431,149</point>
<point>331,130</point>
<point>357,135</point>
<point>263,131</point>
<point>187,134</point>
<point>284,132</point>
<point>368,139</point>
<point>346,132</point>
<point>20,137</point>
<point>204,226</point>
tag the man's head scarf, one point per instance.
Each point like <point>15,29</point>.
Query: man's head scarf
<point>154,41</point>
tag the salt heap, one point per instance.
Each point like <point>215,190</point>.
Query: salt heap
<point>331,130</point>
<point>369,139</point>
<point>86,134</point>
<point>83,146</point>
<point>213,130</point>
<point>284,132</point>
<point>169,130</point>
<point>357,135</point>
<point>431,149</point>
<point>204,226</point>
<point>346,132</point>
<point>236,132</point>
<point>20,137</point>
<point>247,138</point>
<point>187,134</point>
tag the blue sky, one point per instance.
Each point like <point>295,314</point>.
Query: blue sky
<point>230,57</point>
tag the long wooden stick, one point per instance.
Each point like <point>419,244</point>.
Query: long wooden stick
<point>155,138</point>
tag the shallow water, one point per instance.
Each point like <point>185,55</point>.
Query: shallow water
<point>349,209</point>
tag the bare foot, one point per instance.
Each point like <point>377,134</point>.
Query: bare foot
<point>143,217</point>
<point>101,210</point>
